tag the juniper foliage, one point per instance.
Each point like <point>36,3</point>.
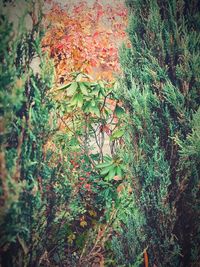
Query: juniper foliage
<point>29,200</point>
<point>160,90</point>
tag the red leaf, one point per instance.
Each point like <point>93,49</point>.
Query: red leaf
<point>107,130</point>
<point>88,187</point>
<point>95,34</point>
<point>99,13</point>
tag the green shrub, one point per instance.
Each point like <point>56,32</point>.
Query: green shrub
<point>160,91</point>
<point>29,195</point>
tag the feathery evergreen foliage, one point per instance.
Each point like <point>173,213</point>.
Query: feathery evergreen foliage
<point>29,200</point>
<point>160,90</point>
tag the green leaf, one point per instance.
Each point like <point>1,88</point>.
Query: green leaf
<point>117,134</point>
<point>95,110</point>
<point>80,100</point>
<point>95,90</point>
<point>87,84</point>
<point>107,158</point>
<point>72,89</point>
<point>74,100</point>
<point>93,103</point>
<point>106,170</point>
<point>119,171</point>
<point>86,106</point>
<point>64,87</point>
<point>123,167</point>
<point>101,83</point>
<point>119,111</point>
<point>68,108</point>
<point>84,88</point>
<point>31,163</point>
<point>111,174</point>
<point>104,164</point>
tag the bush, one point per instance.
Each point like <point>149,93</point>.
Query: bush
<point>159,89</point>
<point>28,183</point>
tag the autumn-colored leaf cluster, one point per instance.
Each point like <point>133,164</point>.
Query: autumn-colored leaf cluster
<point>83,37</point>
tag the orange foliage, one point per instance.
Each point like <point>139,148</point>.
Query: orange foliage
<point>86,38</point>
